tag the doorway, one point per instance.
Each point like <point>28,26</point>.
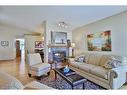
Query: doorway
<point>20,48</point>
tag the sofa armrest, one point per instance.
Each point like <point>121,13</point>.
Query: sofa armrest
<point>118,77</point>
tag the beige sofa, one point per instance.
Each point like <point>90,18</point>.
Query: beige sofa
<point>94,69</point>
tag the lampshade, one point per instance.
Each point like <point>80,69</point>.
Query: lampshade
<point>73,45</point>
<point>43,38</point>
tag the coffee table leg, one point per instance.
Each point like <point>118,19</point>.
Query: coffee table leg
<point>83,85</point>
<point>72,86</point>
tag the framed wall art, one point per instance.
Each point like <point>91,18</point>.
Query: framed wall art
<point>39,44</point>
<point>4,43</point>
<point>99,41</point>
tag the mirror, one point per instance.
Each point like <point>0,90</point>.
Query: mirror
<point>59,37</point>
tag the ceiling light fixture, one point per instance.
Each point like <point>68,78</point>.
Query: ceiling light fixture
<point>63,24</point>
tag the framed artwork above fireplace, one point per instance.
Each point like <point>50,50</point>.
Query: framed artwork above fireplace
<point>58,37</point>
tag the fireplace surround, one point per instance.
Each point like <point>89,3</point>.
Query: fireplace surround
<point>58,54</point>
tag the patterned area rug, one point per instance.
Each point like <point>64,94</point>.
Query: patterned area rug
<point>63,85</point>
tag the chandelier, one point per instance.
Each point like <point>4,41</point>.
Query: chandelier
<point>63,24</point>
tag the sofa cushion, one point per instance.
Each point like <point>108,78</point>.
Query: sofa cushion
<point>104,59</point>
<point>100,72</point>
<point>40,66</point>
<point>86,67</point>
<point>86,57</point>
<point>76,64</point>
<point>94,59</point>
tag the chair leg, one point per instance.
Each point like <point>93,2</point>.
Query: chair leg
<point>29,74</point>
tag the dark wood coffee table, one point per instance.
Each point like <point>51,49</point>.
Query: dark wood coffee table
<point>72,77</point>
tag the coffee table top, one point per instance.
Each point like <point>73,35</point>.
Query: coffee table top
<point>72,77</point>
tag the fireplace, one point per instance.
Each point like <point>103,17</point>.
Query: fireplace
<point>59,56</point>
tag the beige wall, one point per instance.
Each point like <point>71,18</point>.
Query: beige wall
<point>7,52</point>
<point>118,26</point>
<point>9,33</point>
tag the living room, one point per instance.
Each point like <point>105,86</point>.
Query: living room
<point>64,42</point>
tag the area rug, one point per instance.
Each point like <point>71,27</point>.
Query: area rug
<point>63,85</point>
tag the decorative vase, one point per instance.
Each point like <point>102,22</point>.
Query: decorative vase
<point>66,69</point>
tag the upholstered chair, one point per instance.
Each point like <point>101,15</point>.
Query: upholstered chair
<point>35,66</point>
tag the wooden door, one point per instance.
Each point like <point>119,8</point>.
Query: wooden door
<point>18,51</point>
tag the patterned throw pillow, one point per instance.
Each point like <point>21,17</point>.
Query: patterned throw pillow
<point>112,63</point>
<point>80,58</point>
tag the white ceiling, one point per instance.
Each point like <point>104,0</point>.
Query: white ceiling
<point>30,17</point>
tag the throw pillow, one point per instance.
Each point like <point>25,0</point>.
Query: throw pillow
<point>80,58</point>
<point>112,63</point>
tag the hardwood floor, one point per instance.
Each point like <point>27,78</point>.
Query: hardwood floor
<point>16,68</point>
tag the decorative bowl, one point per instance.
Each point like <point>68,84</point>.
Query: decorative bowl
<point>66,70</point>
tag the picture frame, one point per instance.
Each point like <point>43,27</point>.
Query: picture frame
<point>58,37</point>
<point>4,43</point>
<point>39,44</point>
<point>100,41</point>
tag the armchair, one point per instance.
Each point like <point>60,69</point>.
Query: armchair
<point>36,67</point>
